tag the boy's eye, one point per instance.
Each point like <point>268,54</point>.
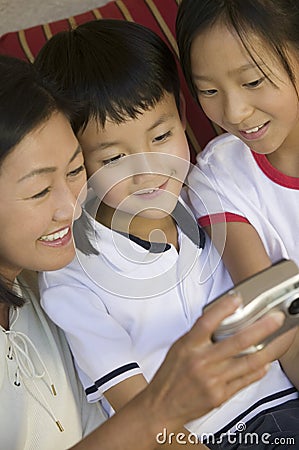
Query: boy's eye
<point>162,137</point>
<point>114,159</point>
<point>76,172</point>
<point>255,83</point>
<point>41,194</point>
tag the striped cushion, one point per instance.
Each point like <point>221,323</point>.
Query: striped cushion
<point>159,15</point>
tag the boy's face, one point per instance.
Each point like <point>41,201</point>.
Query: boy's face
<point>139,166</point>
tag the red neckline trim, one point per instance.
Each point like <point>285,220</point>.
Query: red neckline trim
<point>273,173</point>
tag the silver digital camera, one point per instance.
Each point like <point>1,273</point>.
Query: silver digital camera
<point>275,288</point>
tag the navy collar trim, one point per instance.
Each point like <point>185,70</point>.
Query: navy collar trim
<point>185,221</point>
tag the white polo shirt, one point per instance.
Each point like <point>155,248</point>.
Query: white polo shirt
<point>121,310</point>
<point>233,183</point>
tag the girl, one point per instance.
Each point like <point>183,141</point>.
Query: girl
<point>241,61</point>
<point>42,405</point>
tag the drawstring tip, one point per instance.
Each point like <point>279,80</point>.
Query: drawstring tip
<point>60,427</point>
<point>53,390</point>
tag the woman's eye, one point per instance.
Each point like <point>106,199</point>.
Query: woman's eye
<point>41,193</point>
<point>207,92</point>
<point>76,172</point>
<point>255,83</point>
<point>162,137</point>
<point>114,159</point>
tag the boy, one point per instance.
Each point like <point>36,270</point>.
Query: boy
<point>154,271</point>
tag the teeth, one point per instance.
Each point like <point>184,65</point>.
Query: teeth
<point>147,191</point>
<point>54,236</point>
<point>253,130</point>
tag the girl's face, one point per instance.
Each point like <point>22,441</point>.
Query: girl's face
<point>236,95</point>
<point>40,180</point>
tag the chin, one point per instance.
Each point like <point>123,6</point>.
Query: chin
<point>57,263</point>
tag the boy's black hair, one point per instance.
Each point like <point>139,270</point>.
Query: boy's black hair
<point>275,22</point>
<point>110,69</point>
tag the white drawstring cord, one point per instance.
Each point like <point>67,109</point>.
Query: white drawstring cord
<point>20,347</point>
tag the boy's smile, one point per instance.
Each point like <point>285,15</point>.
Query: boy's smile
<point>138,166</point>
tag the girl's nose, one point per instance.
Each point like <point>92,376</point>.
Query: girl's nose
<point>236,109</point>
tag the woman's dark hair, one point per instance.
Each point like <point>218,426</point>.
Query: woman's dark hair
<point>24,102</point>
<point>110,69</point>
<point>275,22</point>
<point>7,294</point>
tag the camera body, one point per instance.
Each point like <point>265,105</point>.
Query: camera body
<point>275,288</point>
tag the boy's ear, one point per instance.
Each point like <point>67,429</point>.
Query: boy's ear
<point>183,109</point>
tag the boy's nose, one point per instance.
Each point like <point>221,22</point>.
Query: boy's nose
<point>148,166</point>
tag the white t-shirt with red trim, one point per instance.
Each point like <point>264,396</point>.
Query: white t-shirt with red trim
<point>232,183</point>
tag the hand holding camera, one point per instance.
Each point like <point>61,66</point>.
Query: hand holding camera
<point>275,288</point>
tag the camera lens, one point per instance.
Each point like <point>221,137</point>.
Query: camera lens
<point>294,307</point>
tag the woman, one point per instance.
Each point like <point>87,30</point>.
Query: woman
<point>41,176</point>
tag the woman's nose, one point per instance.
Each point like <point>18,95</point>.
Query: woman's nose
<point>67,207</point>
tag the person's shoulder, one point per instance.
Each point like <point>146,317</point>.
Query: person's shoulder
<point>221,148</point>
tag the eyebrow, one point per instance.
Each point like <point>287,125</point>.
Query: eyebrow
<point>106,144</point>
<point>240,69</point>
<point>160,121</point>
<point>44,170</point>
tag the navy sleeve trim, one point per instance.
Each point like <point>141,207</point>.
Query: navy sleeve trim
<point>101,381</point>
<point>264,401</point>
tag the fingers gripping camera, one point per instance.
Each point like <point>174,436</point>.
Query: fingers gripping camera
<point>275,288</point>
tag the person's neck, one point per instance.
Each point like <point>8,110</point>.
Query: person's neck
<point>286,157</point>
<point>152,230</point>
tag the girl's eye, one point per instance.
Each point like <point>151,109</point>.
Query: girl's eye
<point>41,194</point>
<point>76,172</point>
<point>162,137</point>
<point>114,159</point>
<point>255,83</point>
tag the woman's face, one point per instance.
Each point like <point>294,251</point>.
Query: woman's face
<point>40,180</point>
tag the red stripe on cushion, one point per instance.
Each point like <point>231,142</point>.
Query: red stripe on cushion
<point>35,38</point>
<point>158,15</point>
<point>111,11</point>
<point>59,25</point>
<point>85,17</point>
<point>206,221</point>
<point>10,45</point>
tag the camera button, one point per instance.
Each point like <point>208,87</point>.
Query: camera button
<point>294,307</point>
